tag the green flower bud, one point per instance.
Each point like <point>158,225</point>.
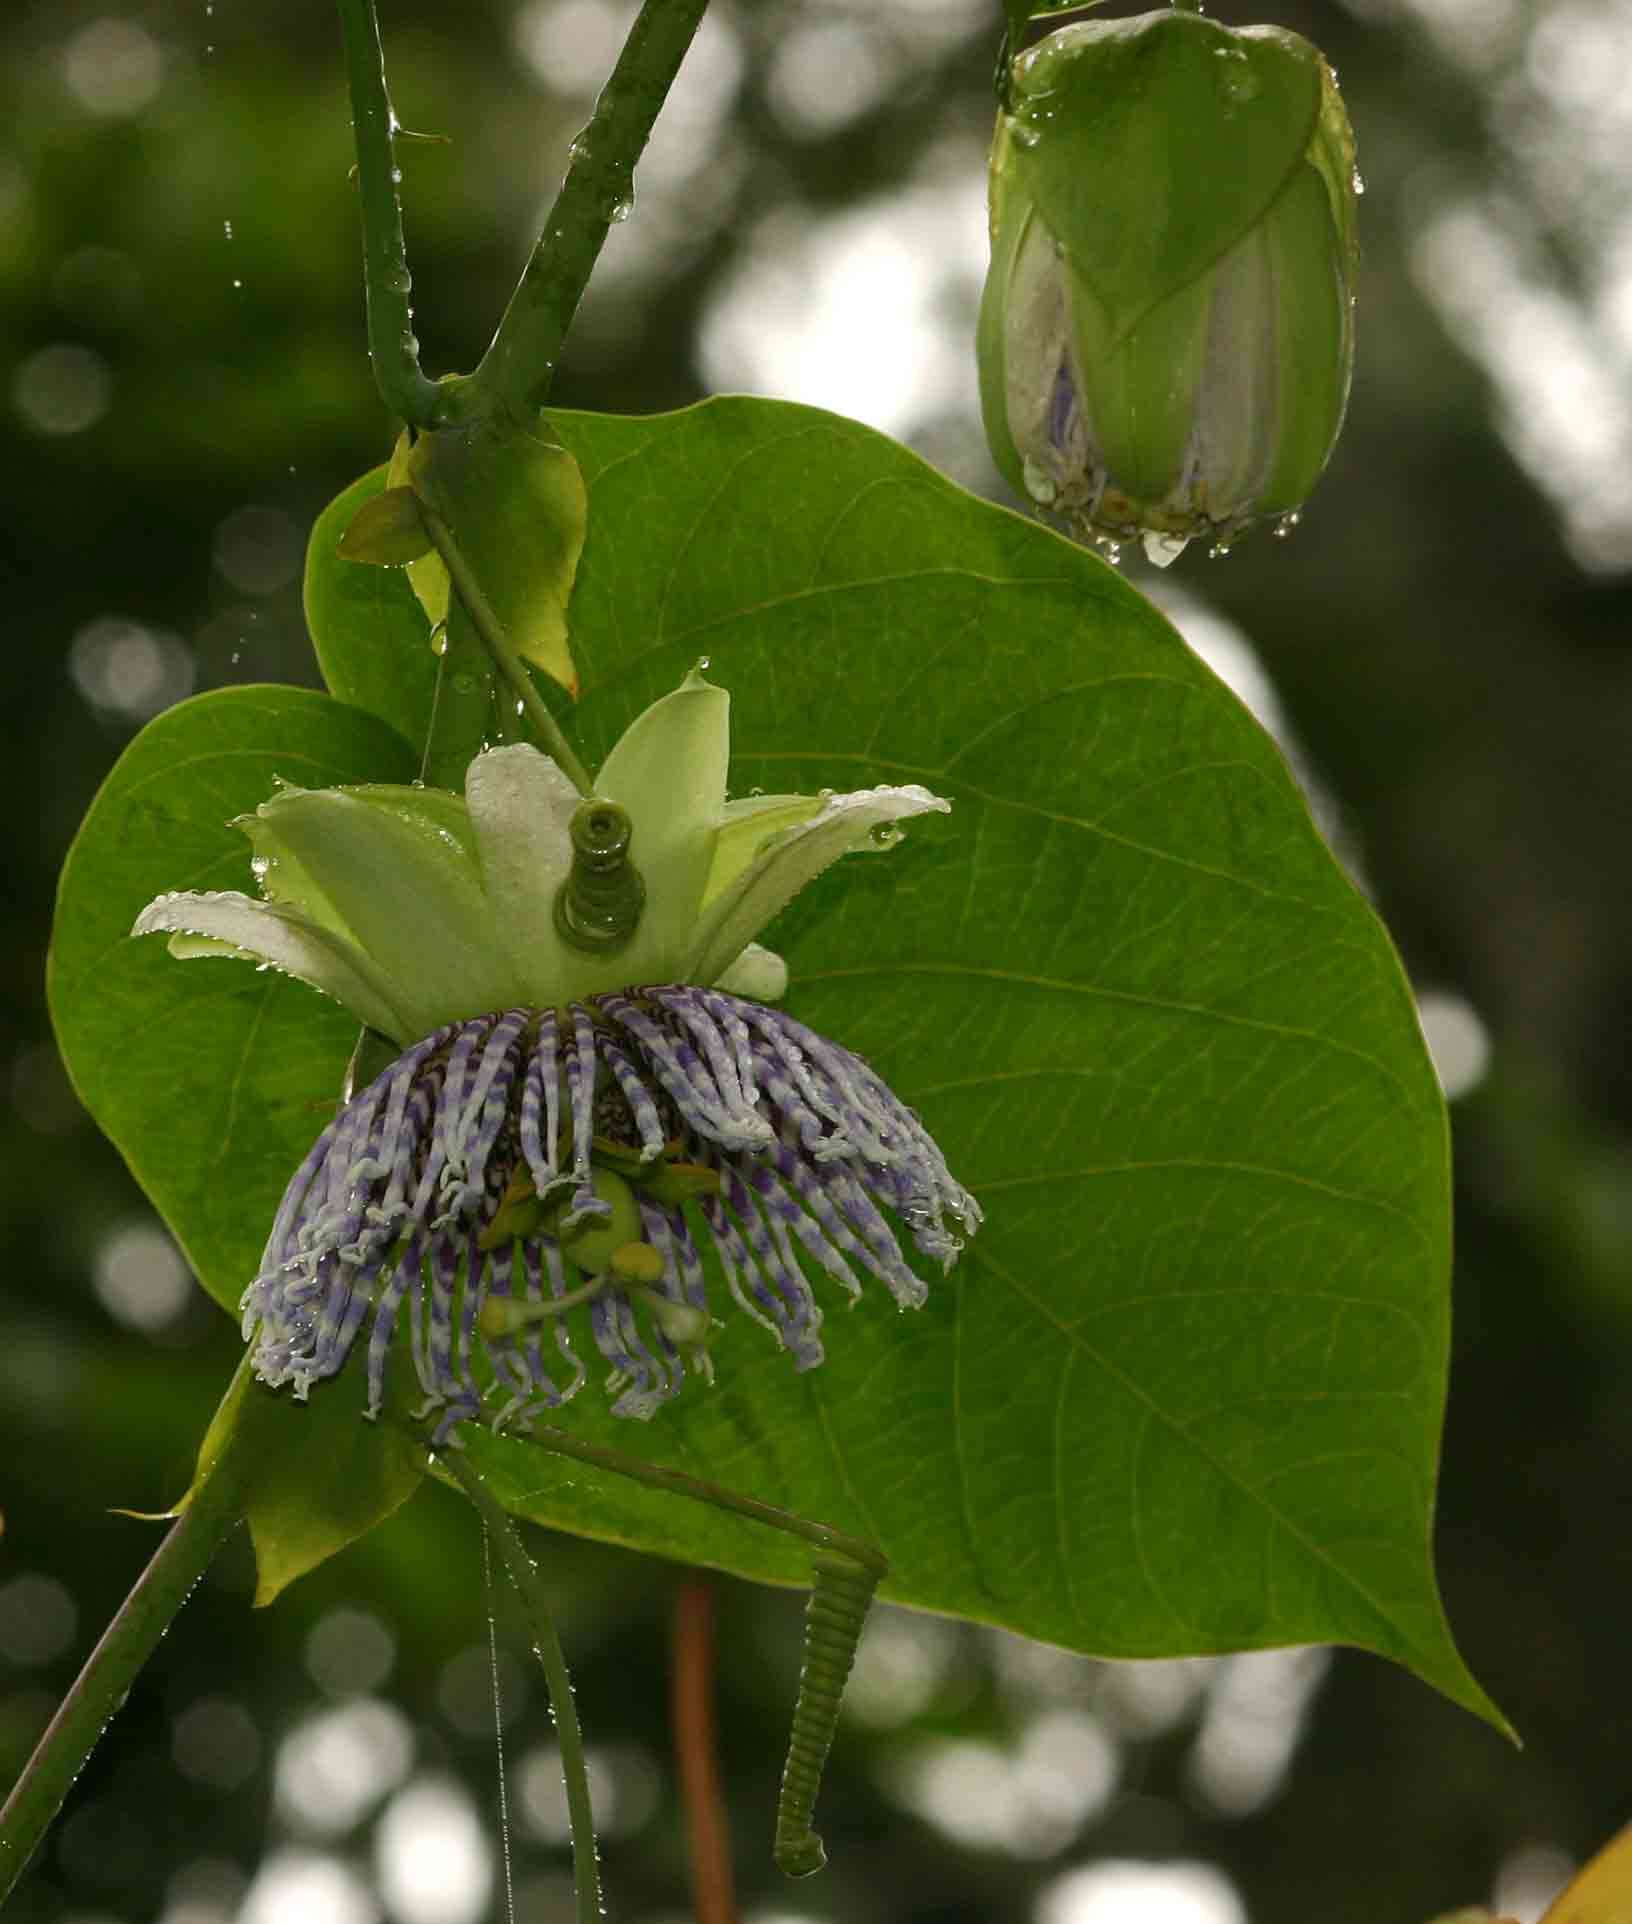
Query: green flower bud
<point>1166,335</point>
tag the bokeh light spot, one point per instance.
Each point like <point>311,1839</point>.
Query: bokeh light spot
<point>334,1767</point>
<point>215,1742</point>
<point>350,1653</point>
<point>140,1278</point>
<point>37,1619</point>
<point>1457,1040</point>
<point>112,66</point>
<point>129,672</point>
<point>1119,1891</point>
<point>307,1887</point>
<point>433,1862</point>
<point>258,549</point>
<point>62,389</point>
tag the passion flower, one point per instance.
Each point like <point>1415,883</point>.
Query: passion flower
<point>588,1098</point>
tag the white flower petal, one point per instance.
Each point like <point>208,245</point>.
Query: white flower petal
<point>759,973</point>
<point>746,827</point>
<point>783,866</point>
<point>521,807</point>
<point>668,770</point>
<point>394,871</point>
<point>226,923</point>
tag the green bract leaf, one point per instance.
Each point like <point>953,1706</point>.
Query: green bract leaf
<point>516,505</point>
<point>1183,1391</point>
<point>315,1476</point>
<point>386,531</point>
<point>373,644</point>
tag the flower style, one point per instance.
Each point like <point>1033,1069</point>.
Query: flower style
<point>591,1068</point>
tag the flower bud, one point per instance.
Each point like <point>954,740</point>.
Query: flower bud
<point>1166,335</point>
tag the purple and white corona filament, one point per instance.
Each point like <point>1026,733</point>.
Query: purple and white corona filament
<point>511,1166</point>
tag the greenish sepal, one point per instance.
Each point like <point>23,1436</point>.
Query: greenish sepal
<point>1119,130</point>
<point>386,531</point>
<point>518,508</point>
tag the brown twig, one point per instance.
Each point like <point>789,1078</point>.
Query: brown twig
<point>696,1752</point>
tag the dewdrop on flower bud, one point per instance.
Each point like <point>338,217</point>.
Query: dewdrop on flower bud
<point>1166,334</point>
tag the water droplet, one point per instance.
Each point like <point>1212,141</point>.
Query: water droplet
<point>578,147</point>
<point>1236,80</point>
<point>885,834</point>
<point>439,638</point>
<point>237,283</point>
<point>396,176</point>
<point>756,791</point>
<point>464,684</point>
<point>1111,550</point>
<point>398,279</point>
<point>1218,551</point>
<point>1356,182</point>
<point>226,228</point>
<point>409,342</point>
<point>1042,488</point>
<point>1286,524</point>
<point>700,665</point>
<point>1162,550</point>
<point>622,209</point>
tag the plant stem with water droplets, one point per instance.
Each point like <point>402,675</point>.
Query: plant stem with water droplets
<point>541,1625</point>
<point>392,348</point>
<point>515,375</point>
<point>213,1511</point>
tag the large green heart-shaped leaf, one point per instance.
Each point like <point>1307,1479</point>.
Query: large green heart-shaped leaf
<point>1183,1392</point>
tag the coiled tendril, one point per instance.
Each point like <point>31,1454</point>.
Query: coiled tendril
<point>842,1588</point>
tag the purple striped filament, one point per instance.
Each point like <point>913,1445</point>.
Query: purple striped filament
<point>476,1181</point>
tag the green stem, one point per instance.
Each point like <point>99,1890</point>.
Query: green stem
<point>524,1574</point>
<point>189,1546</point>
<point>517,369</point>
<point>490,630</point>
<point>560,1443</point>
<point>392,347</point>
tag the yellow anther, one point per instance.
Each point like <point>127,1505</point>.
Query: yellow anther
<point>637,1263</point>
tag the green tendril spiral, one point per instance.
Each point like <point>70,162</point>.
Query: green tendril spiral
<point>839,1598</point>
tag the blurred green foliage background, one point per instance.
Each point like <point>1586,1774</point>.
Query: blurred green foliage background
<point>1443,646</point>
